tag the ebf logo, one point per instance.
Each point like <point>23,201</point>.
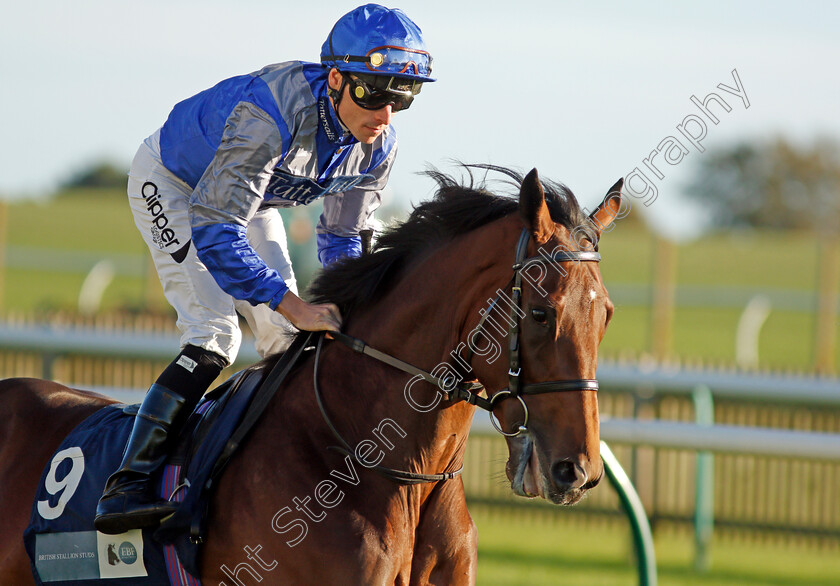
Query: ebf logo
<point>128,553</point>
<point>121,556</point>
<point>125,553</point>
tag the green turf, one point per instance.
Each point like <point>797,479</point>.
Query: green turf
<point>513,552</point>
<point>88,220</point>
<point>37,291</point>
<point>756,258</point>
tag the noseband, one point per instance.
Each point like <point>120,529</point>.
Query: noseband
<point>469,391</point>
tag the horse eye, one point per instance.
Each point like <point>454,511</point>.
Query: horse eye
<point>540,315</point>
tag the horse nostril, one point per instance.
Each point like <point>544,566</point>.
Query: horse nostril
<point>567,475</point>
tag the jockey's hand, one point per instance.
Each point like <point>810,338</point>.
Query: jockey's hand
<point>308,316</point>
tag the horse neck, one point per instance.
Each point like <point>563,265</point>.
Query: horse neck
<point>421,321</point>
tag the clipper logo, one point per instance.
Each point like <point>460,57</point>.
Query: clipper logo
<point>162,236</point>
<point>303,191</point>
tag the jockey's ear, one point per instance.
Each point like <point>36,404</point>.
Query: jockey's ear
<point>606,213</point>
<point>533,210</point>
<point>334,79</point>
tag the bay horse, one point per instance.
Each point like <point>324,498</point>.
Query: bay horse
<point>441,294</point>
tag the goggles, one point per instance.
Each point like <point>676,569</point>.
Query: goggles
<point>400,60</point>
<point>389,59</point>
<point>373,92</point>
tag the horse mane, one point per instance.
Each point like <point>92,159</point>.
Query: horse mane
<point>455,209</point>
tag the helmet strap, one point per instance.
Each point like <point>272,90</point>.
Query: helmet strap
<point>336,96</point>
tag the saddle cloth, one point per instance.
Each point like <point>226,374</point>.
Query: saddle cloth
<point>61,541</point>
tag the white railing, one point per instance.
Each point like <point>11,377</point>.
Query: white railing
<point>725,439</point>
<point>54,342</point>
<point>57,341</point>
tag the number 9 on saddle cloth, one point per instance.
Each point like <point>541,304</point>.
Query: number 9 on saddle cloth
<point>61,541</point>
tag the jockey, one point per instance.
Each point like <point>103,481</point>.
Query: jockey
<point>204,190</point>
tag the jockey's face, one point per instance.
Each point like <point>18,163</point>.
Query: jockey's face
<point>365,125</point>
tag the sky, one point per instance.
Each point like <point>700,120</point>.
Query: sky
<point>584,92</point>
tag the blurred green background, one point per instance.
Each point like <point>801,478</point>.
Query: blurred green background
<point>51,245</point>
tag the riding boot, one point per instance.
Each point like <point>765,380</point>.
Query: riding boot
<point>129,501</point>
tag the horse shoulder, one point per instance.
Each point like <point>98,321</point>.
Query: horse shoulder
<point>446,546</point>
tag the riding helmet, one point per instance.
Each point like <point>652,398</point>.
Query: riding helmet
<point>375,40</point>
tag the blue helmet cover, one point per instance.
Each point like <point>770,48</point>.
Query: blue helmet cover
<point>376,40</point>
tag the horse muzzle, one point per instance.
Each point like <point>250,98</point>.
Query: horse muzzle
<point>564,482</point>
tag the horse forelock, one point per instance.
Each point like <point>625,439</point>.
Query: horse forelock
<point>458,207</point>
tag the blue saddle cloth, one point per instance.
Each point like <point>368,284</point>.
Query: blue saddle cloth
<point>61,541</point>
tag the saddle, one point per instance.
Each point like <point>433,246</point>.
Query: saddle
<point>61,541</point>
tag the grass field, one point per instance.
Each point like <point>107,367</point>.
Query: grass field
<point>51,246</point>
<point>516,552</point>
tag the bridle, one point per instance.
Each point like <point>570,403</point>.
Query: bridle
<point>516,389</point>
<point>469,391</point>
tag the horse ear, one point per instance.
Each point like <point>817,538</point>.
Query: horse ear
<point>533,210</point>
<point>606,213</point>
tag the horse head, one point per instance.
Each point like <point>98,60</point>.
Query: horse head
<point>560,310</point>
<point>463,279</point>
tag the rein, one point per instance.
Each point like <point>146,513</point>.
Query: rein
<point>399,476</point>
<point>469,391</point>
